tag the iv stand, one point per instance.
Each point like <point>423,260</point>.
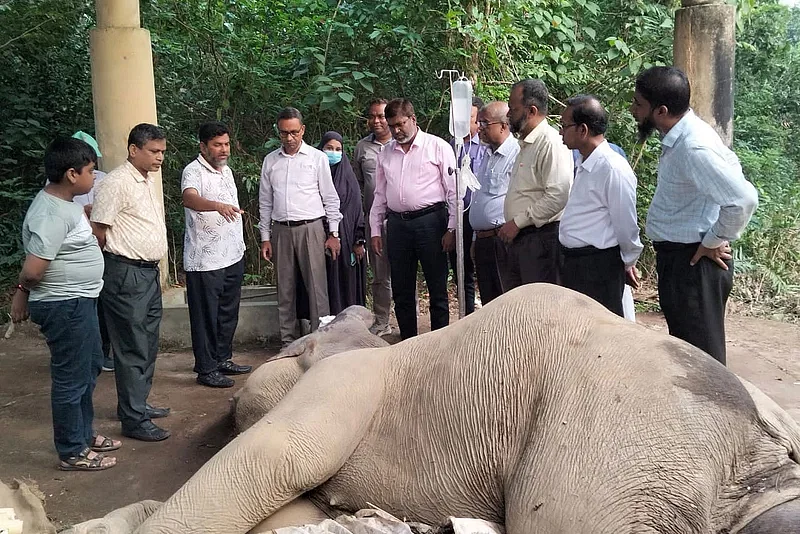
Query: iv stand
<point>459,144</point>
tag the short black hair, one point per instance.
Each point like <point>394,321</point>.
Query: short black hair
<point>477,102</point>
<point>143,133</point>
<point>665,86</point>
<point>399,106</point>
<point>66,153</point>
<point>587,109</point>
<point>210,130</point>
<point>534,93</point>
<point>289,113</point>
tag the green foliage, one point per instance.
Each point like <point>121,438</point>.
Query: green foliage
<point>241,61</point>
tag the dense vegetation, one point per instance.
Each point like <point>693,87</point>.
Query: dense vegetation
<point>242,60</point>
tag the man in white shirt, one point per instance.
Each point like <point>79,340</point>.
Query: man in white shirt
<point>296,192</point>
<point>213,257</point>
<point>486,214</point>
<point>702,202</point>
<point>599,232</point>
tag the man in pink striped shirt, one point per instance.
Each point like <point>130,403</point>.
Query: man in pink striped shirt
<point>415,193</point>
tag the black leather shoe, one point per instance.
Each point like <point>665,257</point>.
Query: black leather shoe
<point>215,379</point>
<point>229,368</point>
<point>152,412</point>
<point>147,431</point>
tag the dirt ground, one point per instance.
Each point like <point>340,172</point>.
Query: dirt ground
<point>764,352</point>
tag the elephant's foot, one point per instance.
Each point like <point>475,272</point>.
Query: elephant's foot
<point>781,519</point>
<point>299,512</point>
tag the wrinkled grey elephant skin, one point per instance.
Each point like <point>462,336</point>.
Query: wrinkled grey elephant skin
<point>542,411</point>
<point>272,380</point>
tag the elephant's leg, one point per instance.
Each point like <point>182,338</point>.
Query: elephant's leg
<point>297,513</point>
<point>781,519</point>
<point>296,447</point>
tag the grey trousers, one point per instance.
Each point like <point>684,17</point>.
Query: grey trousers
<point>381,281</point>
<point>303,247</point>
<point>131,299</point>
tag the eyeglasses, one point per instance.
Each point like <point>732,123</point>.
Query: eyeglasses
<point>398,125</point>
<point>293,133</point>
<point>566,126</point>
<point>486,124</point>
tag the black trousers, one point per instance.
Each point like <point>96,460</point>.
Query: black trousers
<point>411,242</point>
<point>213,298</point>
<point>535,256</point>
<point>693,298</point>
<point>131,298</point>
<point>597,273</point>
<point>491,267</point>
<point>469,268</point>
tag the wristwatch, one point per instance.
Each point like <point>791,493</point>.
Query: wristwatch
<point>335,234</point>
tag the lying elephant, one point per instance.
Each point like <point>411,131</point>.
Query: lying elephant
<point>272,381</point>
<point>542,411</point>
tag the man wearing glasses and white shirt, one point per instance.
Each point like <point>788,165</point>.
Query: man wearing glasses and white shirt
<point>296,192</point>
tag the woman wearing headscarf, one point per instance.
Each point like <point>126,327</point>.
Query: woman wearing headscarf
<point>347,274</point>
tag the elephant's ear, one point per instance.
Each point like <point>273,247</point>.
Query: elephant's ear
<point>311,355</point>
<point>297,348</point>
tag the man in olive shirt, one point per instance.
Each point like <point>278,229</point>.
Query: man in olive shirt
<point>128,221</point>
<point>538,190</point>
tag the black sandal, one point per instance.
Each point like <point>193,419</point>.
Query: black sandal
<point>87,460</point>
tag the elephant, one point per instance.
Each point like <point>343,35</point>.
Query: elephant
<point>542,411</point>
<point>272,380</point>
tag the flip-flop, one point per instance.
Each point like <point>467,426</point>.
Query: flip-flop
<point>83,462</point>
<point>104,444</point>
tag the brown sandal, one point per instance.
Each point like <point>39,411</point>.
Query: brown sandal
<point>104,444</point>
<point>87,460</point>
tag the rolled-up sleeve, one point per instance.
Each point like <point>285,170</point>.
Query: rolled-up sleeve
<point>265,201</point>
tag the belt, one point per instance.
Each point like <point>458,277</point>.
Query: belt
<point>408,215</point>
<point>588,250</point>
<point>483,234</point>
<point>296,223</point>
<point>549,227</point>
<point>138,263</point>
<point>669,246</point>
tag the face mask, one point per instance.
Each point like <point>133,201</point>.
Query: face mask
<point>333,157</point>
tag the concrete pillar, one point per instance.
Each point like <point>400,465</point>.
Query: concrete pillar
<point>704,48</point>
<point>123,87</point>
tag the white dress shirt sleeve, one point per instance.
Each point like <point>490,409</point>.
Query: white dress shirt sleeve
<point>265,202</point>
<point>330,198</point>
<point>621,202</point>
<point>725,184</point>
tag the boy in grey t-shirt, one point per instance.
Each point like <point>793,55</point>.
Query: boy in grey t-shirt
<point>60,282</point>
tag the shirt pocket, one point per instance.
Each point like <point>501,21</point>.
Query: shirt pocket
<point>498,183</point>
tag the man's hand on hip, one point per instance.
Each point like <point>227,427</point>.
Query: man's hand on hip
<point>717,255</point>
<point>377,245</point>
<point>449,241</point>
<point>266,250</point>
<point>334,246</point>
<point>508,232</point>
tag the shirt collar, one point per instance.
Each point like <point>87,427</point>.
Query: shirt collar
<point>418,140</point>
<point>304,149</point>
<point>134,171</point>
<point>677,131</point>
<point>531,137</point>
<point>506,147</point>
<point>373,139</point>
<point>589,163</point>
<point>208,166</point>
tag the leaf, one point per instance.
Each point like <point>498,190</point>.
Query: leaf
<point>366,84</point>
<point>590,32</point>
<point>612,53</point>
<point>320,58</point>
<point>554,55</point>
<point>347,97</point>
<point>374,35</point>
<point>357,75</point>
<point>539,31</point>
